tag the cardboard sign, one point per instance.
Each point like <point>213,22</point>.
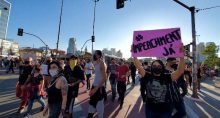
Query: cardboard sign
<point>157,43</point>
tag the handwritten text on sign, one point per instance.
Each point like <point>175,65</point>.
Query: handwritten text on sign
<point>157,43</point>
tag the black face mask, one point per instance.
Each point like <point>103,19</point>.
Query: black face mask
<point>26,62</point>
<point>174,66</point>
<point>94,57</point>
<point>157,70</point>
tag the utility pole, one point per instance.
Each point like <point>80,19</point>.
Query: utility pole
<point>93,25</point>
<point>194,63</point>
<point>58,36</point>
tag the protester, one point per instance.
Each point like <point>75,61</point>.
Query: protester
<point>44,66</point>
<point>21,89</point>
<point>11,66</point>
<point>177,97</point>
<point>97,92</point>
<point>158,102</point>
<point>188,76</point>
<point>199,77</point>
<point>123,72</point>
<point>74,75</point>
<point>57,92</point>
<point>89,67</point>
<point>36,90</point>
<point>112,71</point>
<point>133,72</point>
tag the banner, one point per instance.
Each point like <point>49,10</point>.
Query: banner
<point>157,43</point>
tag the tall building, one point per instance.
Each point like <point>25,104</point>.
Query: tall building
<point>71,47</point>
<point>5,8</point>
<point>199,49</point>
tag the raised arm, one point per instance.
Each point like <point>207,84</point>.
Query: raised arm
<point>180,69</point>
<point>139,66</point>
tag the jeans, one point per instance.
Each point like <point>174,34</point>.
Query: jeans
<point>54,110</point>
<point>180,108</point>
<point>133,77</point>
<point>121,88</point>
<point>157,114</point>
<point>113,87</point>
<point>31,101</point>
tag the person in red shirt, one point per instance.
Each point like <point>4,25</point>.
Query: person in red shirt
<point>123,72</point>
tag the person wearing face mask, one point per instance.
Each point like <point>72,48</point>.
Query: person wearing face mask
<point>21,90</point>
<point>177,97</point>
<point>123,72</point>
<point>57,92</point>
<point>158,98</point>
<point>74,75</point>
<point>97,92</point>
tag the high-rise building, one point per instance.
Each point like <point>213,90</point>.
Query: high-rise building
<point>199,49</point>
<point>5,8</point>
<point>72,47</point>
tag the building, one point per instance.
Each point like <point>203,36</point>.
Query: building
<point>26,52</point>
<point>112,52</point>
<point>5,8</point>
<point>9,48</point>
<point>199,49</point>
<point>72,47</point>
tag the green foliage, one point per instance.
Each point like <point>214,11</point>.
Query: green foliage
<point>210,52</point>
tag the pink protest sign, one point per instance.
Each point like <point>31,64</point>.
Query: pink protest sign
<point>157,43</point>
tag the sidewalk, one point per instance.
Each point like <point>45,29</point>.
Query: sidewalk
<point>209,104</point>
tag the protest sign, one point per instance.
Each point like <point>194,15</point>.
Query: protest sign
<point>157,43</point>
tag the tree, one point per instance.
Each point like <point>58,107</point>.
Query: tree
<point>210,52</point>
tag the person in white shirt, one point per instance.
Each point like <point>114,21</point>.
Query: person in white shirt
<point>89,67</point>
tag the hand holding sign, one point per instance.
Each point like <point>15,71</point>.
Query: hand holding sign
<point>157,43</point>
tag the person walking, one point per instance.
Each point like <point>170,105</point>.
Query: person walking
<point>97,92</point>
<point>112,71</point>
<point>11,66</point>
<point>89,67</point>
<point>36,90</point>
<point>133,72</point>
<point>123,72</point>
<point>57,92</point>
<point>74,75</point>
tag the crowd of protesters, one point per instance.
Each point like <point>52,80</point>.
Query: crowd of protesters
<point>58,82</point>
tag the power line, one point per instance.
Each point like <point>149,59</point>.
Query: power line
<point>197,10</point>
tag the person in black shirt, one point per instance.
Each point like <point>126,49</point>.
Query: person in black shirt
<point>199,77</point>
<point>21,90</point>
<point>158,102</point>
<point>74,75</point>
<point>36,90</point>
<point>11,66</point>
<point>177,97</point>
<point>133,72</point>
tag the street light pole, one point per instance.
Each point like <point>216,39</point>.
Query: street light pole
<point>58,36</point>
<point>194,71</point>
<point>93,26</point>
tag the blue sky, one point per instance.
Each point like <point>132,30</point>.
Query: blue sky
<point>114,28</point>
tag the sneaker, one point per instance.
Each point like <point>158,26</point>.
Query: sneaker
<point>20,110</point>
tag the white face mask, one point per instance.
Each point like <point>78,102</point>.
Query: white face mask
<point>53,72</point>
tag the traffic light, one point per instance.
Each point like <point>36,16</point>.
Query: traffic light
<point>120,4</point>
<point>93,38</point>
<point>20,31</point>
